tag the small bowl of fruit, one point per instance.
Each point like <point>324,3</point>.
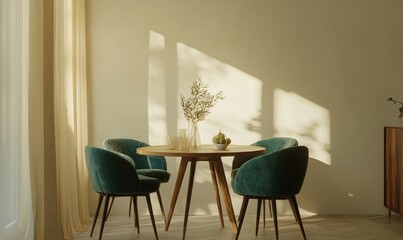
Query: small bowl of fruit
<point>221,141</point>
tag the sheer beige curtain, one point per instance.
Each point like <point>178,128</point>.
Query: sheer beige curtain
<point>16,217</point>
<point>70,96</point>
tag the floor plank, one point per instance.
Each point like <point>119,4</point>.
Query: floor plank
<point>318,227</point>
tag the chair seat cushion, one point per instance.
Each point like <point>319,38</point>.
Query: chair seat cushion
<point>148,184</point>
<point>162,175</point>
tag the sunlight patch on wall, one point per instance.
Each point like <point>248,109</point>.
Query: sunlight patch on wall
<point>243,94</point>
<point>305,120</point>
<point>157,123</point>
<point>237,115</point>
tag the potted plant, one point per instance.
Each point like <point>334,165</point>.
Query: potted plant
<point>197,107</point>
<point>401,106</point>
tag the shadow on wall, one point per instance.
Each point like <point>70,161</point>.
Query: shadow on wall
<point>242,115</point>
<point>308,122</point>
<point>318,183</point>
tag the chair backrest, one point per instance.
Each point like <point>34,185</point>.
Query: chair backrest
<point>272,144</point>
<point>129,146</point>
<point>111,173</point>
<point>275,174</point>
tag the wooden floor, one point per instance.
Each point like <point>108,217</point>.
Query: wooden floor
<point>319,227</point>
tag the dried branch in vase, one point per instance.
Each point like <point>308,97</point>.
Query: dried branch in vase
<point>197,107</point>
<point>401,106</point>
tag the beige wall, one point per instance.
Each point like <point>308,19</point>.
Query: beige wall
<point>322,71</point>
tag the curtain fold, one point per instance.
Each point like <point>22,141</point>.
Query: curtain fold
<point>16,218</point>
<point>70,98</point>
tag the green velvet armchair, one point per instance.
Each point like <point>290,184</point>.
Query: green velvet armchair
<point>114,176</point>
<point>272,144</point>
<point>150,166</point>
<point>274,176</point>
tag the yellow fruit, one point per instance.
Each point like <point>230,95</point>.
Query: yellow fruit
<point>221,138</point>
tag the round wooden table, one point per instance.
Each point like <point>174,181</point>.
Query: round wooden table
<point>212,155</point>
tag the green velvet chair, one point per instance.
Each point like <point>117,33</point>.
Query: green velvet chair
<point>271,144</point>
<point>274,176</point>
<point>150,166</point>
<point>112,176</point>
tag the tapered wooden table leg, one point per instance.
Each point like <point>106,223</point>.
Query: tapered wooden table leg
<point>178,184</point>
<point>224,189</point>
<point>203,153</point>
<point>217,193</point>
<point>189,195</point>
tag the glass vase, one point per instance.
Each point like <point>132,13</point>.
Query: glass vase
<point>194,136</point>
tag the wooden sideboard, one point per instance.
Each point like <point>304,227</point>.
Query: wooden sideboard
<point>393,169</point>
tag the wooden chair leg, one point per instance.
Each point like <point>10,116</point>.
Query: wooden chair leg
<point>161,206</point>
<point>136,214</point>
<point>150,209</point>
<point>130,206</point>
<point>273,203</point>
<point>110,207</point>
<point>294,206</point>
<point>104,216</point>
<point>264,213</point>
<point>242,215</point>
<point>259,207</point>
<point>243,202</point>
<point>271,212</point>
<point>100,199</point>
<point>293,209</point>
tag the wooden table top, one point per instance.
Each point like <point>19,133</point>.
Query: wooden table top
<point>205,150</point>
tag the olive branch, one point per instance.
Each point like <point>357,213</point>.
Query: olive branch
<point>197,107</point>
<point>400,109</point>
